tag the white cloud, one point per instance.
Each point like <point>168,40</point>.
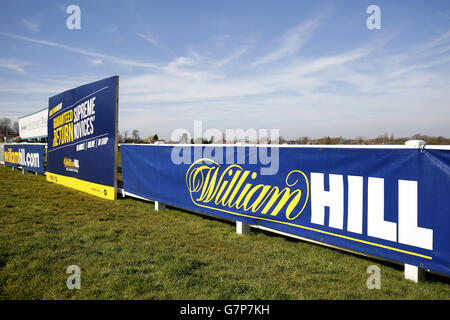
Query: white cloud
<point>149,39</point>
<point>424,48</point>
<point>414,67</point>
<point>96,61</point>
<point>195,78</point>
<point>291,42</point>
<point>232,57</point>
<point>33,26</point>
<point>121,61</point>
<point>13,64</point>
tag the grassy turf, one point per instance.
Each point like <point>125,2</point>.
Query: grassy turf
<point>127,250</point>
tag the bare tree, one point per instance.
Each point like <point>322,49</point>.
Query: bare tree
<point>15,128</point>
<point>120,137</point>
<point>392,139</point>
<point>135,135</point>
<point>5,123</point>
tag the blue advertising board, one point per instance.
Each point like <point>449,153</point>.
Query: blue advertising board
<point>29,157</point>
<point>82,138</point>
<point>389,203</point>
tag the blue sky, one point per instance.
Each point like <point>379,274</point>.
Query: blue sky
<point>307,68</point>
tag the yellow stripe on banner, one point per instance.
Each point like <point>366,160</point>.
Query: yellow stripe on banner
<point>95,189</point>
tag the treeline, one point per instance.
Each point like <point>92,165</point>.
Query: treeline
<point>382,139</point>
<point>135,137</point>
<point>10,127</point>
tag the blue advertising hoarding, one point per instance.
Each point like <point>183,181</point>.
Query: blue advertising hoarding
<point>29,157</point>
<point>390,203</point>
<point>82,138</point>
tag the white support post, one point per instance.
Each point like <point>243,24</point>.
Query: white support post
<point>23,171</point>
<point>121,191</point>
<point>159,206</point>
<point>414,273</point>
<point>242,227</point>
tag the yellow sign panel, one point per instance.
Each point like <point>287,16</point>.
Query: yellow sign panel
<point>95,189</point>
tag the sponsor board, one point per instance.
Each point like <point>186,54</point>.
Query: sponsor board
<point>82,139</point>
<point>30,157</point>
<point>390,203</point>
<point>34,125</point>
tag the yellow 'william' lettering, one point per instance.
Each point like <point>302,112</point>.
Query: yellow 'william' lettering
<point>206,182</point>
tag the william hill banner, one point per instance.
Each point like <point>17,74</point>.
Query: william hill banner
<point>30,157</point>
<point>390,203</point>
<point>82,131</point>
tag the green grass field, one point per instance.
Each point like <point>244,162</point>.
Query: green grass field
<point>127,250</point>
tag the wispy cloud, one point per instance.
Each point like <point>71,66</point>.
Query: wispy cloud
<point>14,65</point>
<point>95,61</point>
<point>197,78</point>
<point>33,26</point>
<point>415,67</point>
<point>307,66</point>
<point>150,39</point>
<point>428,46</point>
<point>121,61</point>
<point>344,88</point>
<point>422,55</point>
<point>291,42</point>
<point>232,57</point>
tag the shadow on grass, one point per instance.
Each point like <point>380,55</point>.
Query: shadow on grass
<point>169,207</point>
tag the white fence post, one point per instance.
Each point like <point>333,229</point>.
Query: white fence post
<point>2,154</point>
<point>242,227</point>
<point>121,191</point>
<point>159,206</point>
<point>414,273</point>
